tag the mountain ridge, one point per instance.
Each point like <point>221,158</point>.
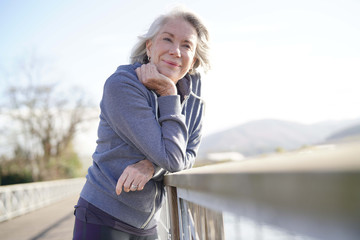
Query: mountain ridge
<point>266,135</point>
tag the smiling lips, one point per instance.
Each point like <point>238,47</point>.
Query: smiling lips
<point>174,64</point>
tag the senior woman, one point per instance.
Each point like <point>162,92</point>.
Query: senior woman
<point>150,124</point>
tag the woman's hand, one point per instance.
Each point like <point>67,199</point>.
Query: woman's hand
<point>152,79</point>
<point>137,174</point>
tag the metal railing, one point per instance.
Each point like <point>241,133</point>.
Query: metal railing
<point>19,199</point>
<point>309,194</point>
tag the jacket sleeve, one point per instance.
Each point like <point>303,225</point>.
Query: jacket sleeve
<point>194,142</point>
<point>192,148</point>
<point>195,134</point>
<point>126,108</point>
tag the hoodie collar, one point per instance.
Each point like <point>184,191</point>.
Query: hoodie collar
<point>184,87</point>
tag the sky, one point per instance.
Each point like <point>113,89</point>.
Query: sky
<point>288,60</point>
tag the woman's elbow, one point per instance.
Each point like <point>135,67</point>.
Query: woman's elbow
<point>175,166</point>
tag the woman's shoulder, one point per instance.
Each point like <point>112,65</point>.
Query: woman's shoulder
<point>124,74</point>
<point>127,70</point>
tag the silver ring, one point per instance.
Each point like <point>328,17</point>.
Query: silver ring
<point>133,187</point>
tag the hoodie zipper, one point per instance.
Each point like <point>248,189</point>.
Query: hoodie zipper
<point>153,209</point>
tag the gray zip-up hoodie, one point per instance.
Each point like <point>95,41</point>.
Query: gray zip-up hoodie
<point>136,124</point>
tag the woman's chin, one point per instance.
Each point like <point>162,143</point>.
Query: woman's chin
<point>170,74</point>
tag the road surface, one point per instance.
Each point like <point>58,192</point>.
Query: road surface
<point>53,222</point>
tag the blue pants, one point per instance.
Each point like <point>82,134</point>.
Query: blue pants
<point>89,231</point>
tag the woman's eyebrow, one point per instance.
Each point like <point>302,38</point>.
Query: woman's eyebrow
<point>189,41</point>
<point>172,35</point>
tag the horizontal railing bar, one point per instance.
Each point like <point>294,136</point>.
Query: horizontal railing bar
<point>18,199</point>
<point>317,187</point>
<point>243,180</point>
<point>329,158</point>
<point>33,185</point>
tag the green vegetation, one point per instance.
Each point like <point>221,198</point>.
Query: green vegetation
<point>19,169</point>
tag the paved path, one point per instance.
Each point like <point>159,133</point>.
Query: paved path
<point>54,222</point>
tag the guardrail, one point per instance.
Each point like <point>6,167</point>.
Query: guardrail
<point>308,194</point>
<point>19,199</point>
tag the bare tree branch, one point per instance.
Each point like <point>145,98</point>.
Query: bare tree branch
<point>48,120</point>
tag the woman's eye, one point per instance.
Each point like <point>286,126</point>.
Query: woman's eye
<point>167,39</point>
<point>187,46</point>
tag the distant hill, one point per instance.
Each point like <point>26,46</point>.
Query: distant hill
<point>351,132</point>
<point>264,136</point>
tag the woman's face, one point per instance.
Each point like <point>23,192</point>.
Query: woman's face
<point>173,48</point>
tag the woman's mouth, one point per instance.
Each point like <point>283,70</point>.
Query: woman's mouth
<point>174,64</point>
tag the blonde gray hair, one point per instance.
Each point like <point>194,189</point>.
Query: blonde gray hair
<point>138,53</point>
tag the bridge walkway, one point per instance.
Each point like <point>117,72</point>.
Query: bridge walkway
<point>53,222</point>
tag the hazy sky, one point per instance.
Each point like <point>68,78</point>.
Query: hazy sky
<point>289,60</point>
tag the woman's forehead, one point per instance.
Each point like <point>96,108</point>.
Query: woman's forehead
<point>179,28</point>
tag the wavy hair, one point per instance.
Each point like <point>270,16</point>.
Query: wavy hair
<point>138,53</point>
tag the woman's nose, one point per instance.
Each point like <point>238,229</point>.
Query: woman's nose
<point>175,50</point>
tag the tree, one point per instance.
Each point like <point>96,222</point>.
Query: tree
<point>46,120</point>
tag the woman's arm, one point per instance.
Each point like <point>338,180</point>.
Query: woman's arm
<point>163,86</point>
<point>133,174</point>
<point>126,108</point>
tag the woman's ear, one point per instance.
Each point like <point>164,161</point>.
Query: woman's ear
<point>193,63</point>
<point>148,47</point>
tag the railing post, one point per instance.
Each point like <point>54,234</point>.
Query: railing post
<point>8,204</point>
<point>185,230</point>
<point>174,216</point>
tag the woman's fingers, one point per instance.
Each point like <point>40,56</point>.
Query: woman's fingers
<point>135,183</point>
<point>142,184</point>
<point>129,181</point>
<point>135,176</point>
<point>154,80</point>
<point>127,184</point>
<point>120,182</point>
<point>147,74</point>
